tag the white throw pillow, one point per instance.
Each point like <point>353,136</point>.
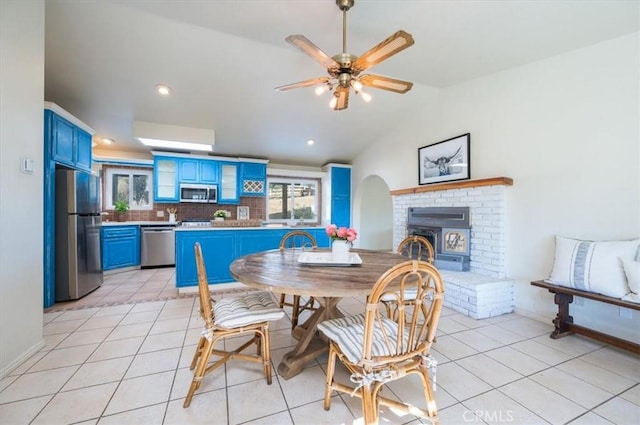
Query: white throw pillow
<point>593,266</point>
<point>632,270</point>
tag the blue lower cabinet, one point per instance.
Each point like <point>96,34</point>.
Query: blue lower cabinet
<point>218,251</point>
<point>252,241</point>
<point>321,237</point>
<point>221,247</point>
<point>120,247</point>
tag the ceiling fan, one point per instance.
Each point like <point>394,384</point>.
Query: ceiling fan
<point>344,69</point>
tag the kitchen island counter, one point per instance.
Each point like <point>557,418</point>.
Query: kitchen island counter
<point>222,245</point>
<point>264,227</point>
<point>138,223</point>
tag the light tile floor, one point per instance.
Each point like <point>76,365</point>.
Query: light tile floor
<point>128,364</point>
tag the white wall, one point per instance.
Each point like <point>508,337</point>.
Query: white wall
<point>373,213</point>
<point>21,135</point>
<point>566,130</point>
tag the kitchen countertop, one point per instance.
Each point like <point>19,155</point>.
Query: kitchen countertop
<point>193,228</point>
<point>266,227</point>
<point>137,223</point>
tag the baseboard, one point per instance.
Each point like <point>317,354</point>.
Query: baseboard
<point>23,358</point>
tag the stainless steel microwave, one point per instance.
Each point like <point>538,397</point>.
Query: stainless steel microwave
<point>201,193</point>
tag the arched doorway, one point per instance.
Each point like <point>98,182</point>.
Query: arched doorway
<point>373,214</point>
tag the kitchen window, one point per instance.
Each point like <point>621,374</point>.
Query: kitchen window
<point>292,199</point>
<point>134,186</point>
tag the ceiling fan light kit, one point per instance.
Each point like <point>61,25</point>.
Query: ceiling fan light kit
<point>344,69</point>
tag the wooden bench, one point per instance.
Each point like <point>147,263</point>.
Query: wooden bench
<point>564,322</point>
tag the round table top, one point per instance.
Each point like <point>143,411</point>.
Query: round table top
<point>279,271</point>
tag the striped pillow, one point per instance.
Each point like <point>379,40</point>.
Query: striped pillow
<point>348,333</point>
<point>593,266</point>
<point>252,308</point>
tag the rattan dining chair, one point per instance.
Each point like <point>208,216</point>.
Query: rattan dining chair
<point>417,248</point>
<point>298,239</point>
<point>378,349</point>
<point>248,314</point>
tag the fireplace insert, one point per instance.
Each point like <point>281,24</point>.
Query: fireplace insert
<point>449,231</point>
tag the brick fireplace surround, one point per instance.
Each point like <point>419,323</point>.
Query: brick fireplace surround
<point>484,291</point>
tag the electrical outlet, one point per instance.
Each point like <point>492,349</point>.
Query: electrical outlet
<point>625,313</point>
<point>159,213</point>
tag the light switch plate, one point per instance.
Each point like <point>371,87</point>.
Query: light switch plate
<point>159,213</point>
<point>27,165</point>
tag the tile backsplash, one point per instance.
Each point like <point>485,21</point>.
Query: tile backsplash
<point>257,210</point>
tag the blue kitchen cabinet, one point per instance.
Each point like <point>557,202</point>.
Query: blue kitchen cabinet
<point>228,192</point>
<point>120,247</point>
<point>221,247</point>
<point>189,170</point>
<point>209,172</point>
<point>253,179</point>
<point>341,182</point>
<point>165,179</point>
<point>250,241</point>
<point>341,196</point>
<point>83,150</point>
<point>218,251</point>
<point>69,144</point>
<point>201,171</point>
<point>321,237</point>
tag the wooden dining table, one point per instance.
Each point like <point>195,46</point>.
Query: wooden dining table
<point>279,271</point>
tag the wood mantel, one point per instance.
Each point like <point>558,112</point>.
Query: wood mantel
<point>504,181</point>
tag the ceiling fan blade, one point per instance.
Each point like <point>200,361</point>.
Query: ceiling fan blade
<point>342,95</point>
<point>389,47</point>
<point>305,83</point>
<point>385,83</point>
<point>303,43</point>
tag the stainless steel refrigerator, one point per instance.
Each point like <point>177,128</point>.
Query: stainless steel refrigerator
<point>78,222</point>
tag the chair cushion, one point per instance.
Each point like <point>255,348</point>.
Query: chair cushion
<point>348,333</point>
<point>253,307</point>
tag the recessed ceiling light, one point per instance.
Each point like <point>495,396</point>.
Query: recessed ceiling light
<point>164,90</point>
<point>172,144</point>
<point>108,141</point>
<point>310,142</point>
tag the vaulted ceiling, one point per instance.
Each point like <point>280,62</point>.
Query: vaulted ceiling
<point>224,58</point>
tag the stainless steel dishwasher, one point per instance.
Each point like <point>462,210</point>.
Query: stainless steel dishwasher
<point>157,246</point>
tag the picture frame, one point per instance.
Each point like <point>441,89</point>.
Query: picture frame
<point>243,213</point>
<point>445,161</point>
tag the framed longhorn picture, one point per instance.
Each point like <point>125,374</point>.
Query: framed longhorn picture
<point>445,161</point>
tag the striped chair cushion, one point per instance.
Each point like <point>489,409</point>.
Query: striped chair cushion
<point>252,308</point>
<point>348,333</point>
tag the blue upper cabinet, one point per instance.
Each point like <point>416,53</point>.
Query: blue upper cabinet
<point>253,179</point>
<point>69,144</point>
<point>189,170</point>
<point>198,171</point>
<point>228,192</point>
<point>83,140</point>
<point>341,182</point>
<point>165,179</point>
<point>209,172</point>
<point>340,177</point>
